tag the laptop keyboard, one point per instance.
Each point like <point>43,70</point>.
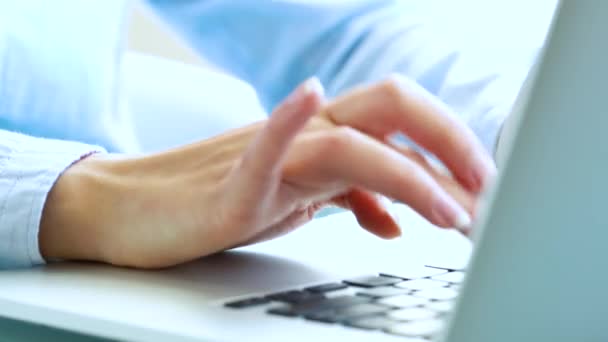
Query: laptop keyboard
<point>412,305</point>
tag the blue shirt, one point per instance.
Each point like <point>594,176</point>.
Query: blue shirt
<point>59,83</point>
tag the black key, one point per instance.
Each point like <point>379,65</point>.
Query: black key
<point>246,303</point>
<point>365,309</point>
<point>309,307</point>
<point>385,291</point>
<point>284,310</point>
<point>328,316</point>
<point>452,277</point>
<point>328,303</point>
<point>372,281</point>
<point>345,313</point>
<point>279,295</point>
<point>379,322</point>
<point>326,287</point>
<point>295,296</point>
<point>451,269</point>
<point>414,273</point>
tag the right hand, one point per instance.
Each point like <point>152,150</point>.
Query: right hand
<point>266,179</point>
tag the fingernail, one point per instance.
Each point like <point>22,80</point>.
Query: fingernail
<point>449,213</point>
<point>313,86</point>
<point>481,173</point>
<point>310,86</point>
<point>463,220</point>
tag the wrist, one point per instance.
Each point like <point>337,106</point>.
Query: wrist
<point>68,227</point>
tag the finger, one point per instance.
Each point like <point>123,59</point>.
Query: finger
<point>401,105</point>
<point>371,212</point>
<point>263,157</point>
<point>346,155</point>
<point>465,198</point>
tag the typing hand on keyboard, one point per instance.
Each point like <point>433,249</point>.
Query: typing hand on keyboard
<point>264,180</point>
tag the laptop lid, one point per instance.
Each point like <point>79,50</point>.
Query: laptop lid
<point>537,272</point>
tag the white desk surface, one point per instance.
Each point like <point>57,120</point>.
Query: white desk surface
<point>94,298</point>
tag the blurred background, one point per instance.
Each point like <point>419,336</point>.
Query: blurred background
<point>182,80</point>
<point>469,21</point>
<point>149,35</point>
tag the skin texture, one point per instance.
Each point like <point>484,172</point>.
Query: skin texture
<point>264,180</point>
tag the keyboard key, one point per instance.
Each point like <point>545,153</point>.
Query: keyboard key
<point>414,273</point>
<point>455,287</point>
<point>346,313</point>
<point>452,277</point>
<point>308,307</point>
<point>403,301</point>
<point>423,328</point>
<point>372,281</point>
<point>422,284</point>
<point>441,307</point>
<point>284,310</point>
<point>385,291</point>
<point>323,316</point>
<point>278,295</point>
<point>367,309</point>
<point>440,293</point>
<point>448,268</point>
<point>379,322</point>
<point>326,287</point>
<point>411,314</point>
<point>246,303</point>
<point>295,296</point>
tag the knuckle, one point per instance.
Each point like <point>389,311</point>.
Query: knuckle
<point>339,139</point>
<point>394,93</point>
<point>393,88</point>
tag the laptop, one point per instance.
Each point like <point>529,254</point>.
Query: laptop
<point>536,272</point>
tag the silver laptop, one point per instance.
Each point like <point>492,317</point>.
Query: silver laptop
<point>536,274</point>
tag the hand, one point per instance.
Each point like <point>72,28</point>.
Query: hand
<point>263,180</point>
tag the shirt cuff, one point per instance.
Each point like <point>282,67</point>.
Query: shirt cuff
<point>29,168</point>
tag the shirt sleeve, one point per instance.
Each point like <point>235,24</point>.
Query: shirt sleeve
<point>29,168</point>
<point>275,44</point>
